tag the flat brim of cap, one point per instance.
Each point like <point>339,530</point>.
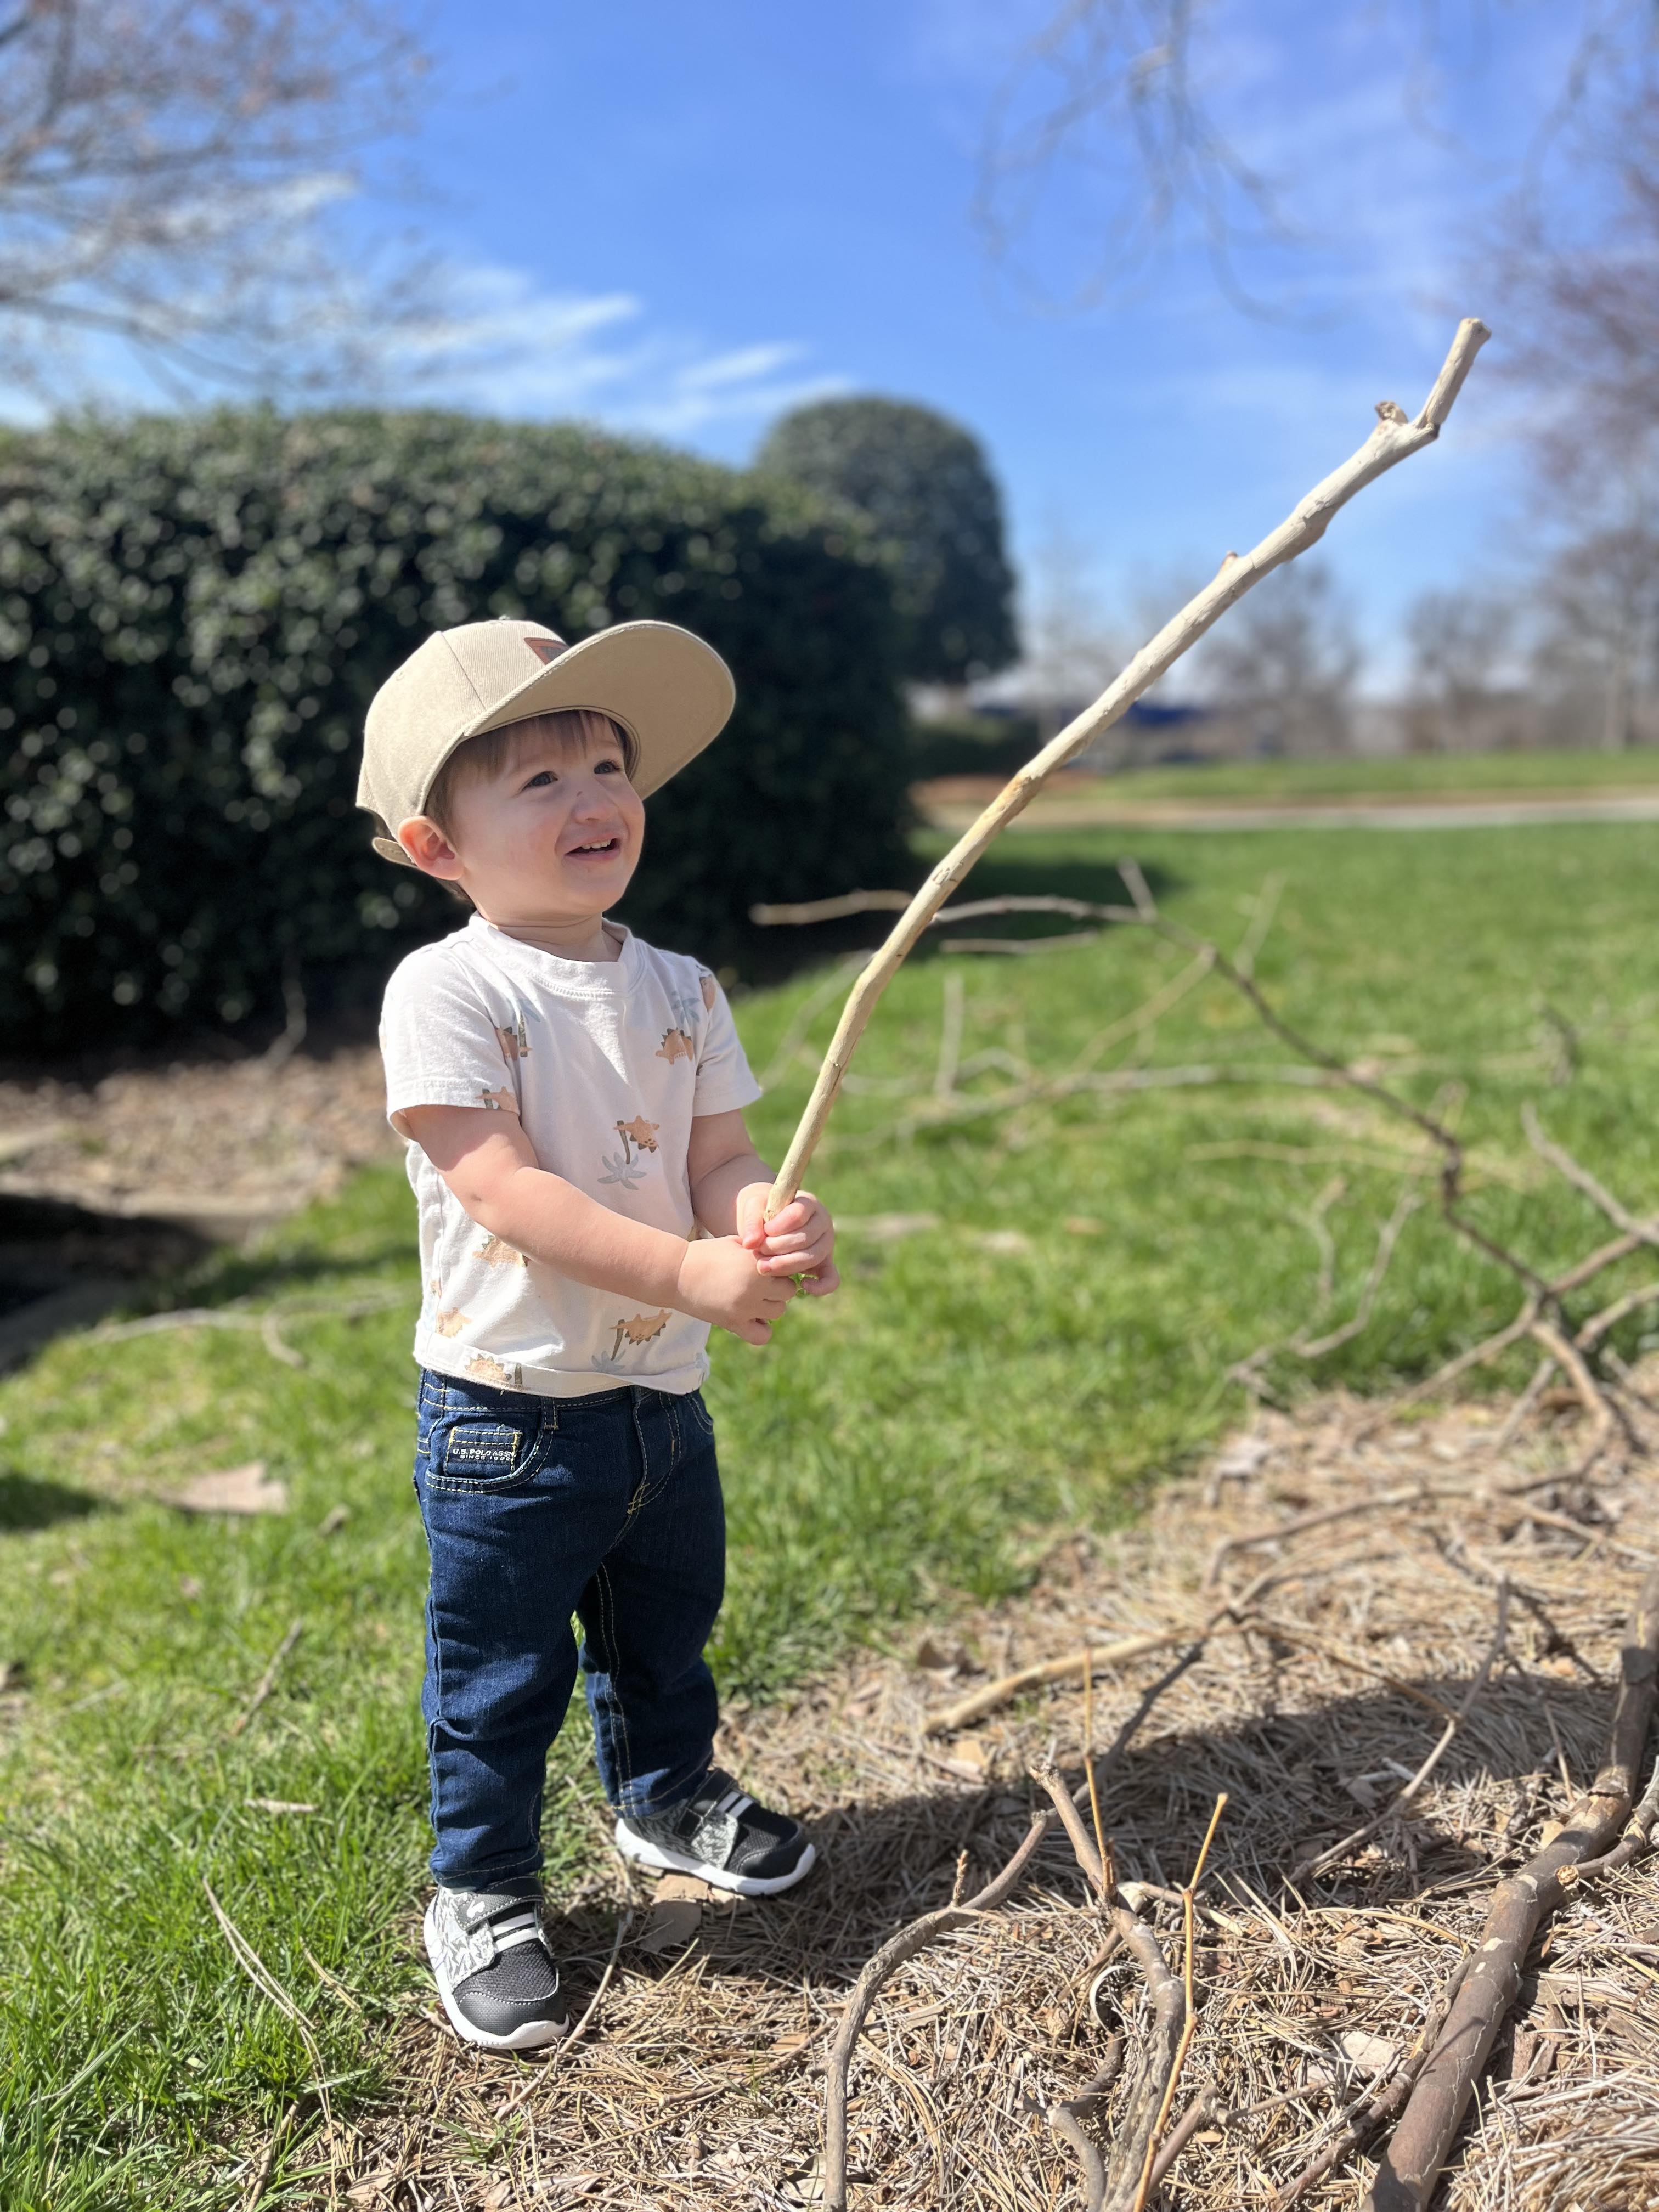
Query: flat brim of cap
<point>672,692</point>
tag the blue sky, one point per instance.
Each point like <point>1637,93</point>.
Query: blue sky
<point>683,221</point>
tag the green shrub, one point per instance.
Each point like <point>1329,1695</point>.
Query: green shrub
<point>972,745</point>
<point>926,484</point>
<point>195,611</point>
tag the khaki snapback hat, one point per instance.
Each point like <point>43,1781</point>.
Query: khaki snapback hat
<point>670,692</point>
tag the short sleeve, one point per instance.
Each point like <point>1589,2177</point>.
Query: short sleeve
<point>443,1044</point>
<point>725,1078</point>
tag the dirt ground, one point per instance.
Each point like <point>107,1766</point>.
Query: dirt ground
<point>699,2079</point>
<point>220,1143</point>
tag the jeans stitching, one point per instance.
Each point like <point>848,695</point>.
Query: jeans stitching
<point>607,1613</point>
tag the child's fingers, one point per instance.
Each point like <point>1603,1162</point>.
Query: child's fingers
<point>821,1280</point>
<point>802,1215</point>
<point>802,1262</point>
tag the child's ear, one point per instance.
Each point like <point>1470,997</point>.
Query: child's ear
<point>429,848</point>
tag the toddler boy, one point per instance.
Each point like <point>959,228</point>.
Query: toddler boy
<point>590,1205</point>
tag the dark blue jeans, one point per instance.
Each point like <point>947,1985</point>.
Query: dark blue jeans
<point>607,1507</point>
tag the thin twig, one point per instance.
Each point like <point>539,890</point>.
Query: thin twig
<point>270,1988</point>
<point>949,1037</point>
<point>1378,2105</point>
<point>1074,1664</point>
<point>892,1955</point>
<point>1582,1180</point>
<point>1089,1755</point>
<point>624,1922</point>
<point>259,2180</point>
<point>1400,1802</point>
<point>1190,2022</point>
<point>267,1680</point>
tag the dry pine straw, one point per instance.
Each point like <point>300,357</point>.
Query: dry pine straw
<point>699,2081</point>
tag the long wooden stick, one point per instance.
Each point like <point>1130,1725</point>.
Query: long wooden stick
<point>1411,2167</point>
<point>1394,439</point>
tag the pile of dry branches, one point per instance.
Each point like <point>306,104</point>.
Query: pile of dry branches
<point>1396,1649</point>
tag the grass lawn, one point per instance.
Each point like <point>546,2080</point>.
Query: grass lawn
<point>1426,775</point>
<point>915,1437</point>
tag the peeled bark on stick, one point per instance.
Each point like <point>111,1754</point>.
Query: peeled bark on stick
<point>1395,438</point>
<point>985,1699</point>
<point>891,1956</point>
<point>1412,2165</point>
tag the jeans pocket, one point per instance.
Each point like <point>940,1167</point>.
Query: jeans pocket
<point>493,1446</point>
<point>701,1420</point>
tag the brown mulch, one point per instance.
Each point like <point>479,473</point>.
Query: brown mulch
<point>244,1138</point>
<point>699,2080</point>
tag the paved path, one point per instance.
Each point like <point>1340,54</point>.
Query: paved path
<point>1506,812</point>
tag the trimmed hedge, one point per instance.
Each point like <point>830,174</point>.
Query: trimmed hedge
<point>972,745</point>
<point>195,611</point>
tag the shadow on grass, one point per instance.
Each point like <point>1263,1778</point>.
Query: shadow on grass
<point>27,1503</point>
<point>1009,870</point>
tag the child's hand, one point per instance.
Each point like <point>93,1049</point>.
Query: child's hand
<point>801,1240</point>
<point>719,1282</point>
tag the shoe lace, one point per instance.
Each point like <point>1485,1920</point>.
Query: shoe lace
<point>520,1925</point>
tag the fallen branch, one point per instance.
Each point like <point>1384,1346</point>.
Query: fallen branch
<point>1582,1180</point>
<point>1378,2107</point>
<point>1321,1517</point>
<point>1071,1668</point>
<point>1059,941</point>
<point>1065,2119</point>
<point>1123,1082</point>
<point>1412,2165</point>
<point>1134,2139</point>
<point>267,1323</point>
<point>1394,439</point>
<point>891,1956</point>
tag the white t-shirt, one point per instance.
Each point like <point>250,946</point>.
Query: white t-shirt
<point>604,1063</point>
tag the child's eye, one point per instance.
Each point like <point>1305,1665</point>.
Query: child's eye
<point>607,768</point>
<point>541,776</point>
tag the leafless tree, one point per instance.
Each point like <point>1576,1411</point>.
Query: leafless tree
<point>1126,96</point>
<point>1597,658</point>
<point>1287,662</point>
<point>1458,639</point>
<point>166,171</point>
<point>1074,645</point>
<point>1576,278</point>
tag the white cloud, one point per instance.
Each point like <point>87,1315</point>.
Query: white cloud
<point>504,345</point>
<point>496,342</point>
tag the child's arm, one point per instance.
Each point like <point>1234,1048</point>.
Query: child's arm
<point>488,1162</point>
<point>730,1186</point>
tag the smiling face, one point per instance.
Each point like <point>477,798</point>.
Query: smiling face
<point>538,824</point>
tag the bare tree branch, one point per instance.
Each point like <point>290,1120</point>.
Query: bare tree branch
<point>165,166</point>
<point>1125,100</point>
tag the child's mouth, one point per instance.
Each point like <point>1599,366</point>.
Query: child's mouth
<point>598,848</point>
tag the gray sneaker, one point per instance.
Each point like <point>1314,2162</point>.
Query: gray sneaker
<point>496,1974</point>
<point>722,1836</point>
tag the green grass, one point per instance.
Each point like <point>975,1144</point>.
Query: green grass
<point>1427,775</point>
<point>916,1437</point>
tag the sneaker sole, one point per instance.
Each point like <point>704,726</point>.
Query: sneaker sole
<point>644,1853</point>
<point>534,2035</point>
